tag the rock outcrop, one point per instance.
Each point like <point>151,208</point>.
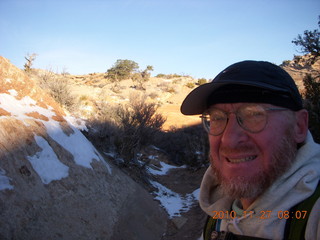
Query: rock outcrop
<point>300,66</point>
<point>53,183</point>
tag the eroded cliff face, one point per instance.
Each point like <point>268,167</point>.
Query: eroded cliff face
<point>53,183</point>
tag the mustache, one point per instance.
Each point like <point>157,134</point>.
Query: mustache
<point>238,149</point>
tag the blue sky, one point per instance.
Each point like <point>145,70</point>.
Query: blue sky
<point>192,37</point>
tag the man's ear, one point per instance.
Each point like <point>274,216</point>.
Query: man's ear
<point>301,125</point>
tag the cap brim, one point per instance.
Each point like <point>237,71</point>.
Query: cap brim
<point>196,101</point>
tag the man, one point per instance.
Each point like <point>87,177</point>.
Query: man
<point>263,160</point>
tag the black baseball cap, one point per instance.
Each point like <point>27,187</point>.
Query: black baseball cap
<point>246,81</point>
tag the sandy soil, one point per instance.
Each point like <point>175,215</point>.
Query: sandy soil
<point>175,118</point>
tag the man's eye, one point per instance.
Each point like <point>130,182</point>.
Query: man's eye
<point>257,113</point>
<point>254,116</point>
<point>218,118</point>
<point>253,113</point>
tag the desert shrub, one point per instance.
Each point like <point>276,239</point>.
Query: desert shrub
<point>160,75</point>
<point>30,58</point>
<point>174,75</point>
<point>122,69</point>
<point>102,133</point>
<point>136,77</point>
<point>103,128</point>
<point>166,87</point>
<point>186,146</point>
<point>60,91</point>
<point>168,76</point>
<point>142,77</point>
<point>202,81</point>
<point>84,98</point>
<point>170,89</point>
<point>190,85</point>
<point>312,104</point>
<point>138,122</point>
<point>126,129</point>
<point>59,88</point>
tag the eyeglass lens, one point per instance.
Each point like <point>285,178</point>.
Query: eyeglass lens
<point>252,118</point>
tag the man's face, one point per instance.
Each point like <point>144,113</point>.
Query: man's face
<point>245,163</point>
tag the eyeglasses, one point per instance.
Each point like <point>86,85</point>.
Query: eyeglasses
<point>252,118</point>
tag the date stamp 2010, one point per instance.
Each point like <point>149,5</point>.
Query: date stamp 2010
<point>260,215</point>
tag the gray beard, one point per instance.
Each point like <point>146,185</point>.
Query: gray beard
<point>252,187</point>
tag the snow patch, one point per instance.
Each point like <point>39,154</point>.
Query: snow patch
<point>4,181</point>
<point>196,194</point>
<point>77,144</point>
<point>47,164</point>
<point>77,123</point>
<point>164,168</point>
<point>173,202</point>
<point>13,92</point>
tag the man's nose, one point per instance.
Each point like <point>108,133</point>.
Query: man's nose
<point>233,133</point>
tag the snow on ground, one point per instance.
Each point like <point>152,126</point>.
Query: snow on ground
<point>4,180</point>
<point>196,194</point>
<point>76,143</point>
<point>172,202</point>
<point>76,122</point>
<point>47,164</point>
<point>44,161</point>
<point>164,168</point>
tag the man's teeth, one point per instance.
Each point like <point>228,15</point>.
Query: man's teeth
<point>239,160</point>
